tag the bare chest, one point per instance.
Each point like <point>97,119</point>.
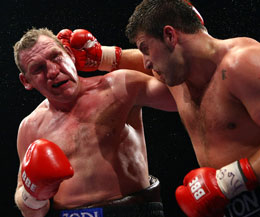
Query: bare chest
<point>218,124</point>
<point>214,110</point>
<point>98,118</point>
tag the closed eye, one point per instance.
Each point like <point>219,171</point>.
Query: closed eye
<point>38,69</point>
<point>144,49</point>
<point>56,57</point>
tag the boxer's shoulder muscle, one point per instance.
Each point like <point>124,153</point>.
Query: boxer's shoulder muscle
<point>242,51</point>
<point>27,131</point>
<point>241,64</point>
<point>127,84</point>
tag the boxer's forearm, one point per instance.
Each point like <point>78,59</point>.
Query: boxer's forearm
<point>133,59</point>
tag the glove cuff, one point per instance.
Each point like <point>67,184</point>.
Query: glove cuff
<point>236,178</point>
<point>110,58</point>
<point>250,178</point>
<point>31,201</point>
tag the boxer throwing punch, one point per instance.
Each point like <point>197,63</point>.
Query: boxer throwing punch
<point>216,86</point>
<point>82,150</point>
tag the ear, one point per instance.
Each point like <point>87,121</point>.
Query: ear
<point>70,53</point>
<point>170,36</point>
<point>25,82</point>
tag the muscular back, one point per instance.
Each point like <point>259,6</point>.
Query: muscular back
<point>103,138</point>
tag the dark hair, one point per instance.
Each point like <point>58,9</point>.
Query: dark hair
<point>150,16</point>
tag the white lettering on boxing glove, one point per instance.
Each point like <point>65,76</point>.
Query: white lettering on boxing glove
<point>196,188</point>
<point>28,182</point>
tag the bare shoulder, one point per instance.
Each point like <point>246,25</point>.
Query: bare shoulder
<point>244,47</point>
<point>245,41</point>
<point>27,127</point>
<point>243,56</point>
<point>34,114</point>
<point>241,65</point>
<point>247,48</point>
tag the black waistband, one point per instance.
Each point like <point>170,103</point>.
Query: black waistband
<point>150,209</point>
<point>144,203</point>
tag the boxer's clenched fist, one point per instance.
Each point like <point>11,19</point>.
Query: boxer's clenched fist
<point>43,168</point>
<point>206,191</point>
<point>88,52</point>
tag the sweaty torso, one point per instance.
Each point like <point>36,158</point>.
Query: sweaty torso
<point>103,138</point>
<point>219,126</point>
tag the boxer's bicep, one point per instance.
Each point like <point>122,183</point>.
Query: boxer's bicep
<point>141,90</point>
<point>157,95</point>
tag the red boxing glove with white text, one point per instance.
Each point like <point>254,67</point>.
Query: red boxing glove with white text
<point>206,191</point>
<point>44,167</point>
<point>89,54</point>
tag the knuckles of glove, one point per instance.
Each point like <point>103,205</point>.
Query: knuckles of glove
<point>200,195</point>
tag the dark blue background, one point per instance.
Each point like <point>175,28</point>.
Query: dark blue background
<point>169,149</point>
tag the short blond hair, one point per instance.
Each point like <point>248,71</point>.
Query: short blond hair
<point>28,40</point>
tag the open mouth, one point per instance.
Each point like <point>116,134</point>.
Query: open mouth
<point>59,84</point>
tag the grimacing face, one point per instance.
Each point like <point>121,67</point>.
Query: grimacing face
<point>49,69</point>
<point>162,57</point>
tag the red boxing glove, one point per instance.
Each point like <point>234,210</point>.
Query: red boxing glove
<point>44,167</point>
<point>64,37</point>
<point>88,52</point>
<point>206,192</point>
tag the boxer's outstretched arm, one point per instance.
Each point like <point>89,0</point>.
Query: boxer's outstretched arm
<point>90,55</point>
<point>146,90</point>
<point>133,59</point>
